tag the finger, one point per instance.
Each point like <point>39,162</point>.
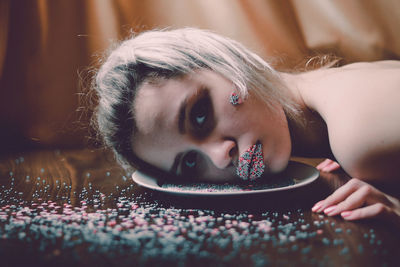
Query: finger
<point>317,206</point>
<point>373,211</point>
<point>355,200</point>
<point>339,195</point>
<point>323,164</point>
<point>333,166</point>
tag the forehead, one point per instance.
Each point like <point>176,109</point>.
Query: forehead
<point>155,102</point>
<point>156,107</point>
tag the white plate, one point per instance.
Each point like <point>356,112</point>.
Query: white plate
<point>294,176</point>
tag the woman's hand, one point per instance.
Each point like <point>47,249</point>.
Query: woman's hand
<point>357,200</point>
<point>328,165</point>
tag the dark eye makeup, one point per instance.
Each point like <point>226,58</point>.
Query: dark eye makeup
<point>189,164</point>
<point>201,115</point>
<point>196,118</point>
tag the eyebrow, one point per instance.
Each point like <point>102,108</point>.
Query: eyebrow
<point>182,130</point>
<point>182,116</point>
<point>183,106</point>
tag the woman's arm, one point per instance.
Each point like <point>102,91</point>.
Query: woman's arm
<point>359,103</point>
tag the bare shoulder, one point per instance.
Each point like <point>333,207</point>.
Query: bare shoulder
<point>360,104</point>
<point>376,64</point>
<point>355,84</point>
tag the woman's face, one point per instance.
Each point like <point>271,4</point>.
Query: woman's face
<point>187,126</point>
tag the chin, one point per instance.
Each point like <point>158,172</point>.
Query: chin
<point>280,159</point>
<point>278,165</point>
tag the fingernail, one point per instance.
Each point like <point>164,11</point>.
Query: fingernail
<point>329,209</point>
<point>345,213</point>
<point>316,207</point>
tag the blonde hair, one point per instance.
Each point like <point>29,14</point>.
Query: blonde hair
<point>172,53</point>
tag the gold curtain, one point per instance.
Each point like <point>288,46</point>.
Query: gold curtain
<point>45,44</point>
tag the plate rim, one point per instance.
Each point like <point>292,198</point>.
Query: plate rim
<point>136,177</point>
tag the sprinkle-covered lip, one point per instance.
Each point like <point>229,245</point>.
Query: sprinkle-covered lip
<point>251,164</point>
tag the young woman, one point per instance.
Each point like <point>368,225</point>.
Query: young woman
<point>197,105</point>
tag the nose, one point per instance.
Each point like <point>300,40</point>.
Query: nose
<point>220,152</point>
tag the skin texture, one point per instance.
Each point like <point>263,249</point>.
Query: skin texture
<point>230,130</point>
<point>351,116</point>
<point>328,165</point>
<point>363,133</point>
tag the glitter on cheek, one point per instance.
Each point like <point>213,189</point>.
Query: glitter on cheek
<point>235,99</point>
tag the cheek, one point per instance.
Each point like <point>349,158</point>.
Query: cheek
<point>233,125</point>
<point>158,150</point>
<point>236,119</point>
<point>283,145</point>
<point>209,173</point>
<point>213,174</point>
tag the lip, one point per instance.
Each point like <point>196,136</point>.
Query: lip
<point>251,164</point>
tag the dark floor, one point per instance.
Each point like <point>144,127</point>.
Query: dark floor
<point>60,208</point>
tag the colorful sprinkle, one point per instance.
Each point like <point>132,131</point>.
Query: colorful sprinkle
<point>251,163</point>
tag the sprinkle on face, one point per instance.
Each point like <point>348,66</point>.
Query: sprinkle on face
<point>235,99</point>
<point>251,163</point>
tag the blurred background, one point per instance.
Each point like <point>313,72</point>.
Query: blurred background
<point>49,48</point>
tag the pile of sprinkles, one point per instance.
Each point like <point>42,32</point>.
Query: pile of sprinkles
<point>260,184</point>
<point>129,227</point>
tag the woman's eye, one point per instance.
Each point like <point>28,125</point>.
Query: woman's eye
<point>199,113</point>
<point>189,163</point>
<point>200,119</point>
